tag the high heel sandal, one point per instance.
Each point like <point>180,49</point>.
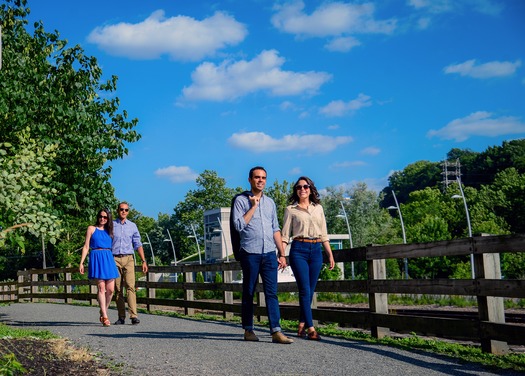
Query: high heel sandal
<point>105,321</point>
<point>313,336</point>
<point>300,330</point>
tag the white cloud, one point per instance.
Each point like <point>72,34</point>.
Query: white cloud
<point>331,19</point>
<point>340,108</point>
<point>479,123</point>
<point>487,70</point>
<point>348,164</point>
<point>177,174</point>
<point>260,142</point>
<point>295,171</point>
<point>488,7</point>
<point>231,80</point>
<point>342,44</point>
<point>181,37</point>
<point>371,151</point>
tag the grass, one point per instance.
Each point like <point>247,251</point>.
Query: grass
<point>10,332</point>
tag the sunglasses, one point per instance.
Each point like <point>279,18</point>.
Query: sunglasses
<point>299,187</point>
<point>124,210</point>
<point>103,217</point>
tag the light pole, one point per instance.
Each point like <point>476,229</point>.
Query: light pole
<point>405,261</point>
<point>349,234</point>
<point>196,241</point>
<point>224,238</point>
<point>172,246</point>
<point>150,247</point>
<point>468,223</point>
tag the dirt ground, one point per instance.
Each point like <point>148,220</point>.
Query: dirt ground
<point>50,357</point>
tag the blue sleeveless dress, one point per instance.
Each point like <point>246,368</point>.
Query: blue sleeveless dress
<point>101,262</point>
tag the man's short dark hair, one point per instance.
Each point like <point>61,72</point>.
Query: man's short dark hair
<point>256,168</point>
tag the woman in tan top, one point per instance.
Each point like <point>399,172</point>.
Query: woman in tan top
<point>305,224</point>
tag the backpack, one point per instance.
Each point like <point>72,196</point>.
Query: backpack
<point>234,234</point>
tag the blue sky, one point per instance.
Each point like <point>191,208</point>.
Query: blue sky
<point>340,91</point>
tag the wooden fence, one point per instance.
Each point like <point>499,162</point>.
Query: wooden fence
<point>489,328</point>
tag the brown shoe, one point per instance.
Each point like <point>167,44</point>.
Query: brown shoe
<point>249,335</point>
<point>300,330</point>
<point>279,337</point>
<point>314,336</point>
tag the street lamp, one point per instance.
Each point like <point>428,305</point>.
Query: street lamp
<point>468,223</point>
<point>224,238</point>
<point>196,241</point>
<point>151,247</point>
<point>349,231</point>
<point>405,261</point>
<point>172,246</point>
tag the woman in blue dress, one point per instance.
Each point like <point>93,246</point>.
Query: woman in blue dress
<point>102,267</point>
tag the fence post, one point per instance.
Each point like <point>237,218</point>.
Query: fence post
<point>20,289</point>
<point>188,294</point>
<point>490,308</point>
<point>34,287</point>
<point>93,290</point>
<point>378,302</point>
<point>150,293</point>
<point>227,277</point>
<point>68,288</point>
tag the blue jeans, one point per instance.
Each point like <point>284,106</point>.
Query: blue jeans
<point>306,260</point>
<point>266,265</point>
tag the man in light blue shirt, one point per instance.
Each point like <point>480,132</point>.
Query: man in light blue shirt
<point>255,218</point>
<point>126,239</point>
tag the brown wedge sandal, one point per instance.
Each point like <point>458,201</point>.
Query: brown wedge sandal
<point>105,321</point>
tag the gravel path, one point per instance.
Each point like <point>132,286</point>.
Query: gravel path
<point>177,346</point>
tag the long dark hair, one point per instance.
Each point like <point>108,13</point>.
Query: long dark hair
<point>314,195</point>
<point>109,223</point>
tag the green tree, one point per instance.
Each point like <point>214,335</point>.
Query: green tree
<point>280,192</point>
<point>369,224</point>
<point>25,192</point>
<point>414,177</point>
<point>58,93</point>
<point>211,193</point>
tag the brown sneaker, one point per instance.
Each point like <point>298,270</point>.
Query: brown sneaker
<point>249,335</point>
<point>279,337</point>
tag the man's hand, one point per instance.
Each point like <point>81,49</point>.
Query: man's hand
<point>254,200</point>
<point>282,263</point>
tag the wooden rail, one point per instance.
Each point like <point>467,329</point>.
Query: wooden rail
<point>489,328</point>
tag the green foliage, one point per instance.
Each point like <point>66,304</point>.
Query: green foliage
<point>25,195</point>
<point>60,126</point>
<point>280,194</point>
<point>414,177</point>
<point>512,265</point>
<point>330,275</point>
<point>211,193</point>
<point>9,365</point>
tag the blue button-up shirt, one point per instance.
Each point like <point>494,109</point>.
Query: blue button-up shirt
<point>126,237</point>
<point>257,235</point>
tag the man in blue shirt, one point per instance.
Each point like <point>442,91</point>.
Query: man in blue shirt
<point>126,239</point>
<point>255,218</point>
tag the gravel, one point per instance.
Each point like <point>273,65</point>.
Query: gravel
<point>181,346</point>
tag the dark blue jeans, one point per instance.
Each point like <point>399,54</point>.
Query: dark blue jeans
<point>306,260</point>
<point>266,265</point>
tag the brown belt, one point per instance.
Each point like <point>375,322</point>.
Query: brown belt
<point>122,255</point>
<point>308,240</point>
